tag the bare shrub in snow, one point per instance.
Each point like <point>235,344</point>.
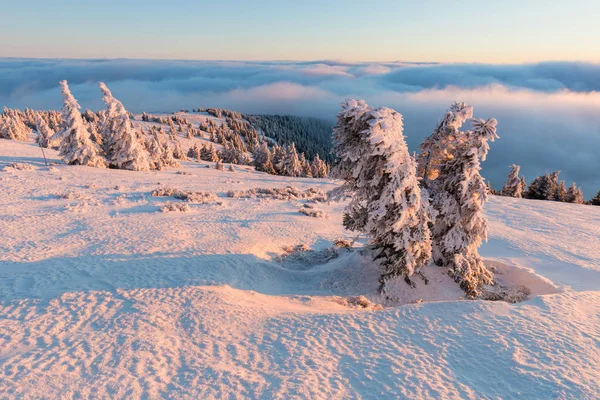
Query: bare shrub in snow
<point>19,167</point>
<point>310,211</point>
<point>302,257</point>
<point>71,195</point>
<point>191,197</point>
<point>358,302</point>
<point>505,293</point>
<point>342,244</point>
<point>286,193</point>
<point>175,207</point>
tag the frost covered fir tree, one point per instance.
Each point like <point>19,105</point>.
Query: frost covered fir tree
<point>543,187</point>
<point>460,226</point>
<point>561,192</point>
<point>387,203</point>
<point>263,159</point>
<point>12,127</point>
<point>231,169</point>
<point>209,153</point>
<point>45,134</point>
<point>123,150</point>
<point>194,152</point>
<point>319,168</point>
<point>219,165</point>
<point>438,147</point>
<point>513,187</point>
<point>595,201</point>
<point>290,164</point>
<point>76,147</point>
<point>155,151</point>
<point>574,195</point>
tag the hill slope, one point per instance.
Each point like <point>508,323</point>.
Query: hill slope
<point>103,295</point>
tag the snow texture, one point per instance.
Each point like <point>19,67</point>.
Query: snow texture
<point>106,297</point>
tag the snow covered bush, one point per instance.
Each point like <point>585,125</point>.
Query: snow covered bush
<point>514,185</point>
<point>387,202</point>
<point>76,147</point>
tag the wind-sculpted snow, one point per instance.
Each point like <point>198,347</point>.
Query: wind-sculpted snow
<point>103,296</point>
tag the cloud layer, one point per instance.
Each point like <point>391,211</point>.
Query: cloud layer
<point>548,113</point>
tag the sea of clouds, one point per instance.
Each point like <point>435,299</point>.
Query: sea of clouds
<point>548,113</point>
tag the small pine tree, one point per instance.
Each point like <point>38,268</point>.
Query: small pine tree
<point>574,195</point>
<point>513,187</point>
<point>76,147</point>
<point>219,165</point>
<point>44,133</point>
<point>595,201</point>
<point>560,193</point>
<point>319,168</point>
<point>125,151</point>
<point>195,152</point>
<point>231,169</point>
<point>290,164</point>
<point>12,127</point>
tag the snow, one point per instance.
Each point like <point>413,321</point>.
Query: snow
<point>103,295</point>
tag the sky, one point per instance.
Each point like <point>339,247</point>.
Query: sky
<point>534,66</point>
<point>507,31</point>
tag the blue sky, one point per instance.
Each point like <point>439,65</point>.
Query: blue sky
<point>507,31</point>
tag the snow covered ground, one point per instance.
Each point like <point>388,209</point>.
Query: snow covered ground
<point>103,295</point>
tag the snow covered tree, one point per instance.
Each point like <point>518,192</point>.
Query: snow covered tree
<point>209,153</point>
<point>460,226</point>
<point>513,187</point>
<point>543,187</point>
<point>438,147</point>
<point>12,126</point>
<point>319,168</point>
<point>262,159</point>
<point>560,193</point>
<point>231,169</point>
<point>290,164</point>
<point>76,147</point>
<point>387,203</point>
<point>574,195</point>
<point>595,201</point>
<point>219,165</point>
<point>45,134</point>
<point>124,149</point>
<point>155,151</point>
<point>194,152</point>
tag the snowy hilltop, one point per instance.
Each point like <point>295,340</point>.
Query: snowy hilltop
<point>190,255</point>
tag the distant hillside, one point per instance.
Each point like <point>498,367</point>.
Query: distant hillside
<point>311,135</point>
